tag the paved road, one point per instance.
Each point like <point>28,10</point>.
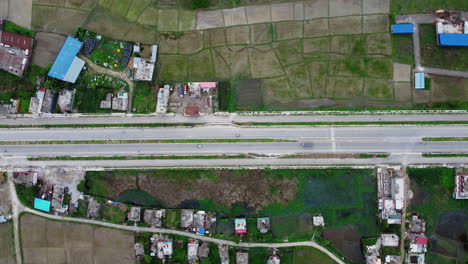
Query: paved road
<point>235,118</point>
<point>417,48</point>
<point>452,73</point>
<point>386,133</point>
<point>18,208</point>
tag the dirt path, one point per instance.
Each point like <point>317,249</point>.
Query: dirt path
<point>403,211</point>
<point>16,209</point>
<point>119,75</point>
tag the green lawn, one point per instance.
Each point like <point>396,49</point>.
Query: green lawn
<point>306,255</point>
<point>144,98</point>
<point>113,213</point>
<point>425,6</point>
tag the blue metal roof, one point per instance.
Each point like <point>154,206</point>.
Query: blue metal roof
<point>42,205</point>
<point>402,29</point>
<point>453,40</point>
<point>419,80</point>
<point>66,61</point>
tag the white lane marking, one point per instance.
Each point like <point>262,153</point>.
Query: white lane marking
<point>332,138</point>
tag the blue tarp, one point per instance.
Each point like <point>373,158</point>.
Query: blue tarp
<point>67,66</point>
<point>453,40</point>
<point>402,29</point>
<point>419,80</point>
<point>42,205</point>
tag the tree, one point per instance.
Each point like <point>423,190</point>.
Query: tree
<point>200,4</point>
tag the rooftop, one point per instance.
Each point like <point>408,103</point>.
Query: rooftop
<point>240,225</point>
<point>186,216</point>
<point>390,240</point>
<point>67,66</point>
<point>42,205</point>
<point>154,217</point>
<point>242,258</point>
<point>93,208</point>
<point>134,214</point>
<point>263,224</point>
<point>461,186</point>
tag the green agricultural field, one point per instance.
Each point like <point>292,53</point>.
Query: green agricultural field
<point>305,255</point>
<point>425,6</point>
<point>7,248</point>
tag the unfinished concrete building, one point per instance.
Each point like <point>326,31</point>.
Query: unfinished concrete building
<point>57,199</point>
<point>154,218</point>
<point>186,218</point>
<point>223,252</point>
<point>461,187</point>
<point>192,252</point>
<point>26,178</point>
<point>373,253</point>
<point>242,258</point>
<point>134,214</point>
<point>203,250</point>
<point>390,240</point>
<point>65,100</point>
<point>263,224</point>
<point>274,260</point>
<point>161,247</point>
<point>318,220</point>
<point>93,208</point>
<point>390,189</point>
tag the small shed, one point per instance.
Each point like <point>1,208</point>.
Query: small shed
<point>419,80</point>
<point>42,205</point>
<point>402,29</point>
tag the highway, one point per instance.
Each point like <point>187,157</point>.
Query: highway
<point>333,139</point>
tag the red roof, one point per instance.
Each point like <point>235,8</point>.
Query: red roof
<point>16,40</point>
<point>421,240</point>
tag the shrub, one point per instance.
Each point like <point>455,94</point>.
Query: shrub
<point>200,4</point>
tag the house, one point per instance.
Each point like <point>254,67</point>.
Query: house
<point>65,100</point>
<point>390,240</point>
<point>186,218</point>
<point>242,258</point>
<point>154,217</point>
<point>41,204</point>
<point>139,250</point>
<point>318,220</point>
<point>26,178</point>
<point>67,66</point>
<point>402,29</point>
<point>417,225</point>
<point>199,219</point>
<point>192,251</point>
<point>419,81</point>
<point>161,247</point>
<point>419,245</point>
<point>223,252</point>
<point>163,99</point>
<point>373,253</point>
<point>413,258</point>
<point>392,259</point>
<point>203,250</point>
<point>57,199</point>
<point>240,226</point>
<point>134,214</point>
<point>93,208</point>
<point>452,34</point>
<point>12,108</point>
<point>274,260</point>
<point>15,52</point>
<point>461,186</point>
<point>263,224</point>
<point>119,102</point>
<point>143,68</point>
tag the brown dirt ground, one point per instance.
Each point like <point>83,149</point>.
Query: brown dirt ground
<point>250,187</point>
<point>347,240</point>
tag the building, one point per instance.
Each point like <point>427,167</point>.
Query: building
<point>274,260</point>
<point>417,225</point>
<point>452,32</point>
<point>65,100</point>
<point>186,218</point>
<point>392,259</point>
<point>373,254</point>
<point>67,66</point>
<point>461,186</point>
<point>240,226</point>
<point>223,252</point>
<point>390,240</point>
<point>419,80</point>
<point>15,52</point>
<point>242,258</point>
<point>93,209</point>
<point>398,192</point>
<point>391,195</point>
<point>402,29</point>
<point>42,205</point>
<point>199,219</point>
<point>26,178</point>
<point>203,250</point>
<point>318,220</point>
<point>263,224</point>
<point>12,108</point>
<point>163,99</point>
<point>139,250</point>
<point>143,68</point>
<point>57,199</point>
<point>119,102</point>
<point>154,218</point>
<point>418,244</point>
<point>43,102</point>
<point>134,214</point>
<point>192,251</point>
<point>415,258</point>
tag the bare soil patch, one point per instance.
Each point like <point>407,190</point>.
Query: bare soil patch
<point>234,16</point>
<point>258,14</point>
<point>210,19</point>
<point>261,33</point>
<point>214,37</point>
<point>316,28</point>
<point>375,23</point>
<point>282,12</point>
<point>238,35</point>
<point>347,240</point>
<point>452,225</point>
<point>315,9</point>
<point>263,62</point>
<point>47,47</point>
<point>247,94</point>
<point>191,42</point>
<point>345,25</point>
<point>402,91</point>
<point>289,30</point>
<point>345,7</point>
<point>7,249</point>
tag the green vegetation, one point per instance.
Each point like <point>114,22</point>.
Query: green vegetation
<point>144,97</point>
<point>402,49</point>
<point>146,141</point>
<point>141,157</point>
<point>425,6</point>
<point>305,255</point>
<point>13,28</point>
<point>139,197</point>
<point>200,4</point>
<point>445,139</point>
<point>367,156</point>
<point>26,195</point>
<point>444,155</point>
<point>227,97</point>
<point>441,57</point>
<point>113,213</point>
<point>82,210</point>
<point>172,218</point>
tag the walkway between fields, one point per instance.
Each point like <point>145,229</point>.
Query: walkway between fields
<point>417,19</point>
<point>17,208</point>
<point>119,75</point>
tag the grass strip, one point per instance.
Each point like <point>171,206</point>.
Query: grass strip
<point>354,123</point>
<point>142,157</point>
<point>445,139</point>
<point>444,155</point>
<point>145,141</point>
<point>104,125</point>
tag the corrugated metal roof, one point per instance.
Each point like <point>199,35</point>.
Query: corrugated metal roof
<point>419,80</point>
<point>16,40</point>
<point>460,40</point>
<point>42,205</point>
<point>74,70</point>
<point>66,60</point>
<point>402,29</point>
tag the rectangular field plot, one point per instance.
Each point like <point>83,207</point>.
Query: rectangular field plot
<point>247,94</point>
